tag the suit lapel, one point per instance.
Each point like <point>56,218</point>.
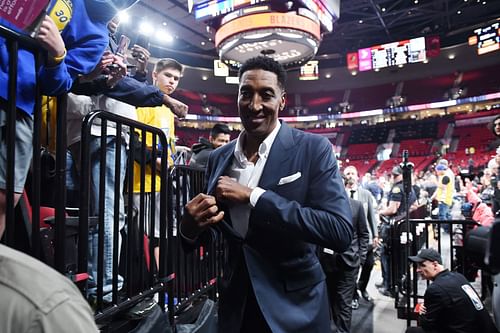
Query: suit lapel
<point>280,152</point>
<point>222,164</point>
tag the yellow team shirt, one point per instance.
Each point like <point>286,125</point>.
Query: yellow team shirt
<point>163,118</point>
<point>444,192</point>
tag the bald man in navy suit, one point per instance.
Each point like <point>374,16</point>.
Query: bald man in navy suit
<point>275,193</point>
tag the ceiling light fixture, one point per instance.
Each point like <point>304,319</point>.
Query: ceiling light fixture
<point>164,36</point>
<point>145,28</point>
<point>124,17</point>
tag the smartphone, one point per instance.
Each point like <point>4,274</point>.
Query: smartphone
<point>123,45</point>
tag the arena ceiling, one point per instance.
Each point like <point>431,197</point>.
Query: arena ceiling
<point>362,23</point>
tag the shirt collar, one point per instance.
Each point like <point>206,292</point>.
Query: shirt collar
<point>264,148</point>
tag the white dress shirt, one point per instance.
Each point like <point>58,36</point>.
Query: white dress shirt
<point>248,174</point>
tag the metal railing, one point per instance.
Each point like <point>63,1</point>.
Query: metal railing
<point>182,277</point>
<point>406,239</point>
<point>15,42</point>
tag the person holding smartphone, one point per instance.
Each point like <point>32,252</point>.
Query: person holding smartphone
<point>109,88</point>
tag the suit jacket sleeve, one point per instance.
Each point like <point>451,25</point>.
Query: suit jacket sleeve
<point>127,90</point>
<point>363,235</point>
<point>371,217</point>
<point>325,216</point>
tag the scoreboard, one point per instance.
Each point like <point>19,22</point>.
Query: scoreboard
<point>387,55</point>
<point>326,11</point>
<point>486,38</point>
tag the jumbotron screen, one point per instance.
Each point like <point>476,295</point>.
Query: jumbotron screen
<point>487,38</point>
<point>325,10</point>
<point>387,55</point>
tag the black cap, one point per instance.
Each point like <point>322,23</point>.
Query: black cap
<point>396,171</point>
<point>426,254</point>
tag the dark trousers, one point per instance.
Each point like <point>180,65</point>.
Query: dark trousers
<point>366,270</point>
<point>414,330</point>
<point>341,282</point>
<point>385,262</point>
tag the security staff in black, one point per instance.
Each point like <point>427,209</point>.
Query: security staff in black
<point>395,202</point>
<point>395,209</point>
<point>450,302</point>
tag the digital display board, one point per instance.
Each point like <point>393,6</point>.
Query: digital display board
<point>327,11</point>
<point>487,38</point>
<point>310,71</point>
<point>215,8</point>
<point>398,53</point>
<point>365,59</point>
<point>390,54</point>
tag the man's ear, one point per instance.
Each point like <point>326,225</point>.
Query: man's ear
<point>283,101</point>
<point>155,76</point>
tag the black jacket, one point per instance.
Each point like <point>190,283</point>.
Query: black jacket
<point>453,306</point>
<point>201,151</point>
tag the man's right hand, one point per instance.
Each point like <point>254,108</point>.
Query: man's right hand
<point>422,311</point>
<point>199,213</point>
<point>178,108</point>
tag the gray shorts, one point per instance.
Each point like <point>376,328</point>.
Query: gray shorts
<point>23,149</point>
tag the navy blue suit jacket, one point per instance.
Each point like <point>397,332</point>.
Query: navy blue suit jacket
<point>278,255</point>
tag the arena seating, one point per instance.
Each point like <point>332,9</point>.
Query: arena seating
<point>359,151</point>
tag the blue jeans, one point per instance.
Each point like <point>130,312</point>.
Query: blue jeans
<point>444,211</point>
<point>109,199</point>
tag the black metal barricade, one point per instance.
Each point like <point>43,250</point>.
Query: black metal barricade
<point>196,272</point>
<point>407,240</point>
<point>136,285</point>
<point>31,239</point>
<point>181,278</point>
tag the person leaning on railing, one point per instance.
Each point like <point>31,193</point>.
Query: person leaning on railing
<point>72,47</point>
